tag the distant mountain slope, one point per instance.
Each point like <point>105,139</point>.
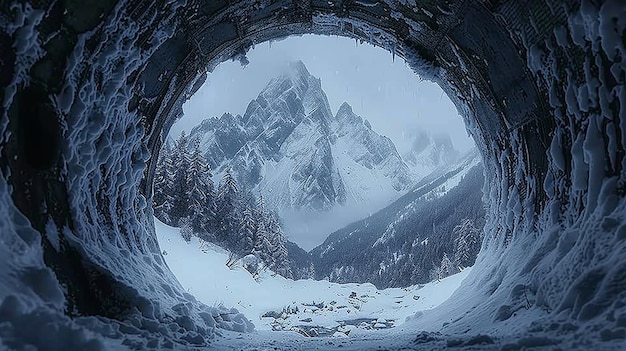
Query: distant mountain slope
<point>300,262</point>
<point>404,243</point>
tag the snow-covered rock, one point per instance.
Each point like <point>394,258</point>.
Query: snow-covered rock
<point>430,151</point>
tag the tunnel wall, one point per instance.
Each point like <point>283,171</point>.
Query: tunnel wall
<point>74,151</point>
<point>91,89</point>
<point>562,266</point>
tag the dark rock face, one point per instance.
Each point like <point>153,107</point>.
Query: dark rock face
<point>541,91</point>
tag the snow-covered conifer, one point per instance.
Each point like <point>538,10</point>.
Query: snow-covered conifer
<point>227,215</point>
<point>247,231</point>
<point>161,184</point>
<point>186,230</point>
<point>197,187</point>
<point>178,191</point>
<point>467,243</point>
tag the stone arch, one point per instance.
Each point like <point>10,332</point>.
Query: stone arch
<point>540,89</point>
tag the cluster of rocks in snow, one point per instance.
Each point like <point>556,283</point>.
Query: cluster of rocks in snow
<point>298,318</point>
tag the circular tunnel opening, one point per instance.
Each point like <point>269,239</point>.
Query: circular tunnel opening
<point>402,142</point>
<point>540,87</point>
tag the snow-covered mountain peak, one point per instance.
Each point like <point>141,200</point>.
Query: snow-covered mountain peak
<point>345,116</point>
<point>345,108</point>
<point>295,79</point>
<point>298,69</point>
<point>288,99</point>
<point>230,118</point>
<point>430,151</point>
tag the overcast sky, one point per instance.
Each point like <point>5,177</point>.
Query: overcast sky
<point>383,90</point>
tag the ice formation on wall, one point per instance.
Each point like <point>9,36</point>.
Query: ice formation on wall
<point>96,88</point>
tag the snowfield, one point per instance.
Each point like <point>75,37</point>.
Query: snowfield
<point>308,307</point>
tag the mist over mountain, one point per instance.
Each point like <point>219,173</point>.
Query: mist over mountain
<point>429,151</point>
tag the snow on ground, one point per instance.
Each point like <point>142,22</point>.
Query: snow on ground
<point>312,308</point>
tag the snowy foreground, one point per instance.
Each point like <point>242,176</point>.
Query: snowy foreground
<point>284,310</point>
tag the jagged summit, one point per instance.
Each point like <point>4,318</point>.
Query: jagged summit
<point>298,68</point>
<point>345,108</point>
<point>346,115</point>
<point>430,151</point>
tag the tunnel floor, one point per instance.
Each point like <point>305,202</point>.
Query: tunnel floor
<point>389,319</point>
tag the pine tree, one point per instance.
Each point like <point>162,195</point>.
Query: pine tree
<point>210,201</point>
<point>467,243</point>
<point>446,268</point>
<point>247,232</point>
<point>261,244</point>
<point>261,205</point>
<point>197,187</point>
<point>186,230</point>
<point>161,185</point>
<point>168,187</point>
<point>434,274</point>
<point>279,257</point>
<point>178,191</point>
<point>227,216</point>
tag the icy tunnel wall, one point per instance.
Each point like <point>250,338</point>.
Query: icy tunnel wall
<point>91,88</point>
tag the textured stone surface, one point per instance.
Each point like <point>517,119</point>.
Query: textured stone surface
<point>107,79</point>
